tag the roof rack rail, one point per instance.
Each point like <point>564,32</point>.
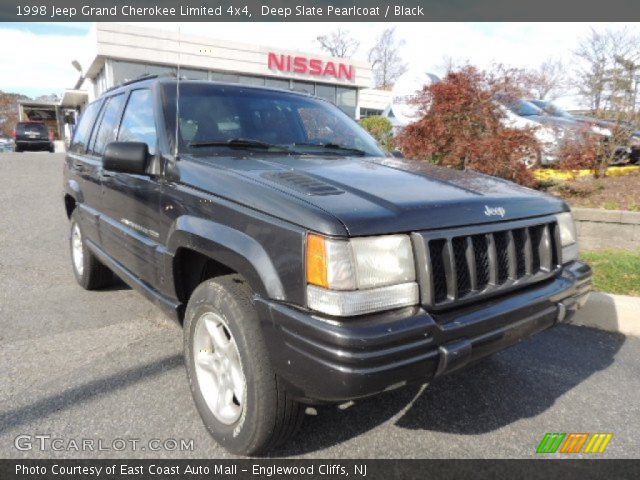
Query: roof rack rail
<point>144,76</point>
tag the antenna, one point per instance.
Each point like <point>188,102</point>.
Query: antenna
<point>177,138</point>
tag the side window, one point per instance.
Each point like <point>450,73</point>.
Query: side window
<point>82,131</point>
<point>108,124</point>
<point>138,124</point>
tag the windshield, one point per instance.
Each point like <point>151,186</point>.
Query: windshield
<point>525,108</point>
<point>551,109</point>
<point>215,118</point>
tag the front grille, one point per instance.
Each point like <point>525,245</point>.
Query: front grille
<point>462,266</point>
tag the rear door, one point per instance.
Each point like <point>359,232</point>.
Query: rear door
<point>129,227</point>
<point>84,171</point>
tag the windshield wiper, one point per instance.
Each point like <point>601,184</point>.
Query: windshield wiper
<point>239,143</point>
<point>333,146</point>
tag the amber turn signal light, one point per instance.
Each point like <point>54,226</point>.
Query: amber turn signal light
<point>317,261</point>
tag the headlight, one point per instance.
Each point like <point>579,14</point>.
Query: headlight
<point>568,237</point>
<point>360,275</point>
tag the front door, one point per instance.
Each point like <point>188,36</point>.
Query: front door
<point>129,226</point>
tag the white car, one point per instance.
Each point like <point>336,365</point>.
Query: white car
<point>548,136</point>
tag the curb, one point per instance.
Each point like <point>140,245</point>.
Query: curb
<point>614,313</point>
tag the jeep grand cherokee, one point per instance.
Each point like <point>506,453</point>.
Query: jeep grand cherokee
<point>305,264</point>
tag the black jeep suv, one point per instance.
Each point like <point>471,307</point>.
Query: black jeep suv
<point>305,264</point>
<point>32,136</point>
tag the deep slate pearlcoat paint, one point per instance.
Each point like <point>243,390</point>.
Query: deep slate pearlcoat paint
<point>251,212</point>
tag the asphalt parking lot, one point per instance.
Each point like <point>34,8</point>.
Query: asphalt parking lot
<point>107,365</point>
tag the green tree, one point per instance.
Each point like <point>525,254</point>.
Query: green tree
<point>380,128</point>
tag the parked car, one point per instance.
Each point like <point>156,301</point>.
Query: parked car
<point>550,134</point>
<point>304,264</point>
<point>628,151</point>
<point>6,144</point>
<point>33,136</point>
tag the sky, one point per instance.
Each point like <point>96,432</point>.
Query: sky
<point>36,57</point>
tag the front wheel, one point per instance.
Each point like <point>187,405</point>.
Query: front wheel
<point>532,158</point>
<point>238,395</point>
<point>90,273</point>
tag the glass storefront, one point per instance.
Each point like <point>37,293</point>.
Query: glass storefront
<point>346,98</point>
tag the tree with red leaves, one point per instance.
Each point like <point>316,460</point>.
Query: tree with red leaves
<point>462,127</point>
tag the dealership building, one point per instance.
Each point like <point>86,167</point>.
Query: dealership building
<point>121,52</point>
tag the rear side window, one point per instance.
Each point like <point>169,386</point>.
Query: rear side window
<point>108,128</point>
<point>138,124</point>
<point>83,130</point>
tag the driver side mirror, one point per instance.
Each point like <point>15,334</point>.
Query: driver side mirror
<point>126,157</point>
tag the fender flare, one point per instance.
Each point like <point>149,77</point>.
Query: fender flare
<point>230,247</point>
<point>73,189</point>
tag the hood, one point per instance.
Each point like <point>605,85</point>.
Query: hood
<point>548,120</point>
<point>367,196</point>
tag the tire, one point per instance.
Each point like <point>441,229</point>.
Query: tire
<point>532,159</point>
<point>259,414</point>
<point>18,150</point>
<point>90,273</point>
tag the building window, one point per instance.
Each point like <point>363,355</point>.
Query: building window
<point>192,74</point>
<point>277,83</point>
<point>328,92</point>
<point>224,77</point>
<point>347,100</point>
<point>250,80</point>
<point>100,83</point>
<point>370,112</point>
<point>306,87</point>
<point>127,71</point>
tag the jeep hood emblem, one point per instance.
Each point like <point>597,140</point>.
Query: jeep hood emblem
<point>493,211</point>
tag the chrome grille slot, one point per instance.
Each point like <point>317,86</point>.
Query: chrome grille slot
<point>466,264</point>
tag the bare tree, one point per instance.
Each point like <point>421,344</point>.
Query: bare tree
<point>385,59</point>
<point>450,64</point>
<point>607,68</point>
<point>52,97</point>
<point>9,111</point>
<point>607,79</point>
<point>549,80</point>
<point>338,43</point>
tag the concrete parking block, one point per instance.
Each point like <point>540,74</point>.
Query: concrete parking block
<point>614,313</point>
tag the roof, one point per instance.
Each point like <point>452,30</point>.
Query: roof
<point>74,98</point>
<point>173,79</point>
<point>37,103</point>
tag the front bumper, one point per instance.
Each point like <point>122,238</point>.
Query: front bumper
<point>333,360</point>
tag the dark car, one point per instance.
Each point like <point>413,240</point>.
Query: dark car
<point>305,264</point>
<point>33,136</point>
<point>531,111</point>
